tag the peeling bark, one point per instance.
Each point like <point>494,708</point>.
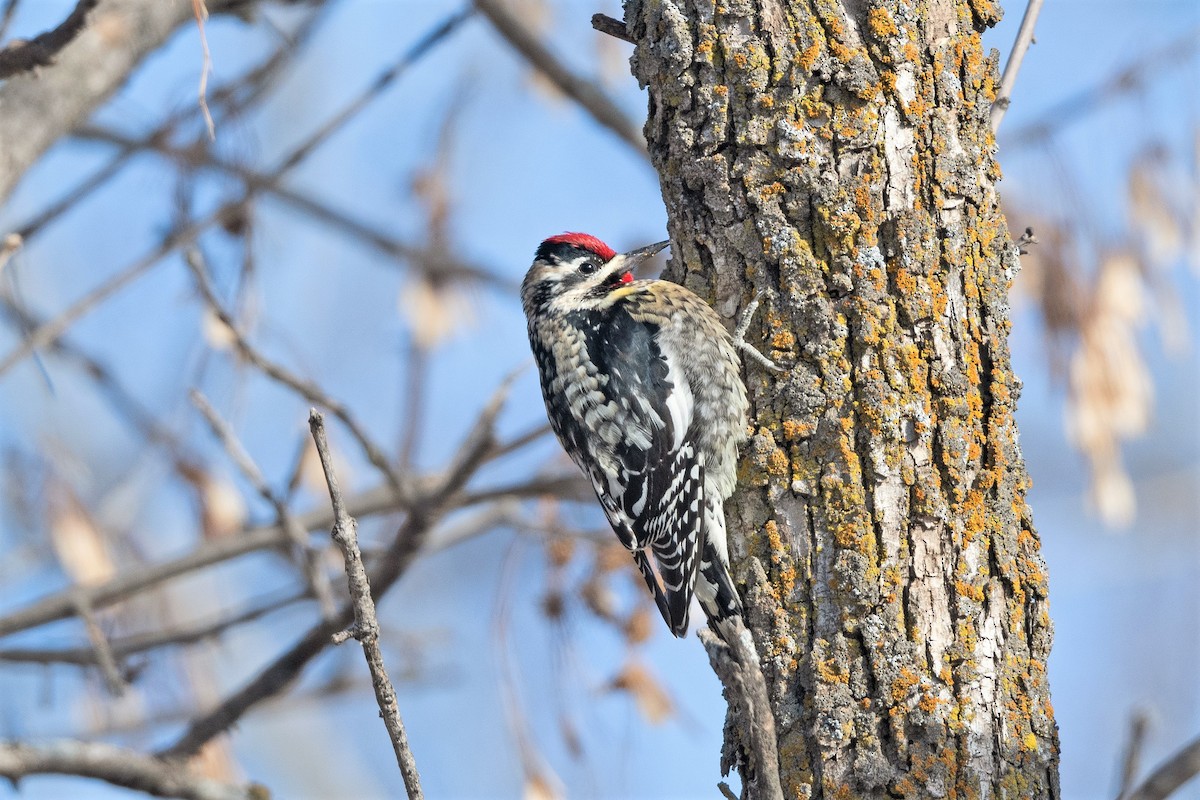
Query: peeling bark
<point>838,155</point>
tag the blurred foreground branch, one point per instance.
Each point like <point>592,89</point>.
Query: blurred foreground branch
<point>118,766</point>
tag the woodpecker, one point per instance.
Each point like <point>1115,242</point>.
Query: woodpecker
<point>643,388</point>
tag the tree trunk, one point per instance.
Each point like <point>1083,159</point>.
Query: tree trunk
<point>838,155</point>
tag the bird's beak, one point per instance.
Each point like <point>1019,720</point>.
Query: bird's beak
<point>642,253</point>
<point>624,264</point>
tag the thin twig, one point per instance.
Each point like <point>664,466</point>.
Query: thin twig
<point>119,767</point>
<point>382,81</point>
<point>132,645</point>
<point>424,513</point>
<point>22,56</point>
<point>584,92</point>
<point>6,16</point>
<point>1131,763</point>
<point>1020,47</point>
<point>1170,775</point>
<point>366,626</point>
<point>1126,79</point>
<point>308,557</point>
<point>414,406</point>
<point>100,646</point>
<point>613,27</point>
<point>307,389</point>
<point>200,10</point>
<point>48,332</point>
<point>532,762</point>
<point>269,183</point>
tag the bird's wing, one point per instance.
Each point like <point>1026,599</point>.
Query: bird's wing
<point>650,478</point>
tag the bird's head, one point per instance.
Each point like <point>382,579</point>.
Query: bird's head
<point>575,271</point>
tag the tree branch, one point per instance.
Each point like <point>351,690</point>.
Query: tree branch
<point>1169,776</point>
<point>582,91</point>
<point>38,109</point>
<point>1020,47</point>
<point>47,333</point>
<point>118,766</point>
<point>366,626</point>
<point>613,27</point>
<point>307,389</point>
<point>131,645</point>
<point>22,56</point>
<point>423,515</point>
<point>308,558</point>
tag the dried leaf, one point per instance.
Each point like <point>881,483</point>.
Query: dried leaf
<point>1120,290</point>
<point>1150,211</point>
<point>79,543</point>
<point>570,736</point>
<point>217,334</point>
<point>652,700</point>
<point>553,605</point>
<point>222,507</point>
<point>560,550</point>
<point>640,625</point>
<point>1114,496</point>
<point>434,312</point>
<point>612,556</point>
<point>539,787</point>
<point>599,597</point>
<point>215,761</point>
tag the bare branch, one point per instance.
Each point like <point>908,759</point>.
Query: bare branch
<point>118,766</point>
<point>254,181</point>
<point>308,557</point>
<point>48,332</point>
<point>737,664</point>
<point>6,16</point>
<point>105,659</point>
<point>1131,763</point>
<point>366,626</point>
<point>200,12</point>
<point>39,109</point>
<point>424,513</point>
<point>1127,78</point>
<point>581,90</point>
<point>132,645</point>
<point>1170,775</point>
<point>1020,47</point>
<point>307,389</point>
<point>22,56</point>
<point>613,27</point>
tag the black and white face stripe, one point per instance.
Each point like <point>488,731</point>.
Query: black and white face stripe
<point>568,256</point>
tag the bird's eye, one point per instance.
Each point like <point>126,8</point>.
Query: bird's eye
<point>587,267</point>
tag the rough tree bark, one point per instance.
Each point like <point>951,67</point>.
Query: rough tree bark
<point>838,155</point>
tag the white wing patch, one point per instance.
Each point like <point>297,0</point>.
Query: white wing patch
<point>679,401</point>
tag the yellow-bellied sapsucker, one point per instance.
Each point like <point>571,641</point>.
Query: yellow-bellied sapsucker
<point>643,387</point>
